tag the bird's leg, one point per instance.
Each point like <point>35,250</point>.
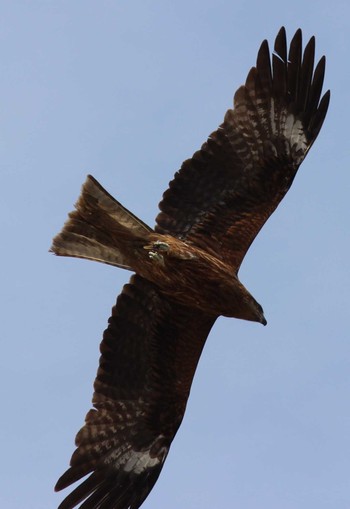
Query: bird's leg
<point>159,245</point>
<point>154,256</point>
<point>155,250</point>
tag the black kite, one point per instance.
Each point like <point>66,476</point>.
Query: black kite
<point>186,271</point>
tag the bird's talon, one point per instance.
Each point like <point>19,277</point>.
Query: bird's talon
<point>153,255</point>
<point>161,246</point>
<point>158,245</point>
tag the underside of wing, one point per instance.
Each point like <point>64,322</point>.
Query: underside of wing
<point>149,354</point>
<point>220,199</point>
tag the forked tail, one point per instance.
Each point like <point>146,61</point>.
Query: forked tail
<point>100,229</point>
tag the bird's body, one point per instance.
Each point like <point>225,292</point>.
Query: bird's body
<point>186,271</point>
<point>195,278</point>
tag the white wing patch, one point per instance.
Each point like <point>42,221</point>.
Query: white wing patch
<point>138,461</point>
<point>298,139</point>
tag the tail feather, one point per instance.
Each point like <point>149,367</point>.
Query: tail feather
<point>100,228</point>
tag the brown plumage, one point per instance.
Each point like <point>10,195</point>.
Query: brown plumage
<point>186,271</point>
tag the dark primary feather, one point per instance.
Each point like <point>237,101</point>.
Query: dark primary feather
<point>150,351</point>
<point>220,199</point>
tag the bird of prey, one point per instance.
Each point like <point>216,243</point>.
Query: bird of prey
<point>186,271</point>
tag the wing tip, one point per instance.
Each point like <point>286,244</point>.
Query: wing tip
<point>117,488</point>
<point>291,77</point>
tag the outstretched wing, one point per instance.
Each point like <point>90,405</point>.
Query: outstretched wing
<point>150,351</point>
<point>220,199</point>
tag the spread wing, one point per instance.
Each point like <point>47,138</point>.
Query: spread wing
<point>220,199</point>
<point>150,351</point>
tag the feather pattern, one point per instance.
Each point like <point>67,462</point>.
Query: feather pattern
<point>246,167</point>
<point>138,406</point>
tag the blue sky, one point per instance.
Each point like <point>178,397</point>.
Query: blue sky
<point>127,91</point>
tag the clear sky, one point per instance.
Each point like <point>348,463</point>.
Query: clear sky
<point>126,90</point>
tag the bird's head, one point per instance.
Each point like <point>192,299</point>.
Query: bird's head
<point>252,310</point>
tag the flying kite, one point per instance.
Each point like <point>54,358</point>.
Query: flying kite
<point>186,271</point>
